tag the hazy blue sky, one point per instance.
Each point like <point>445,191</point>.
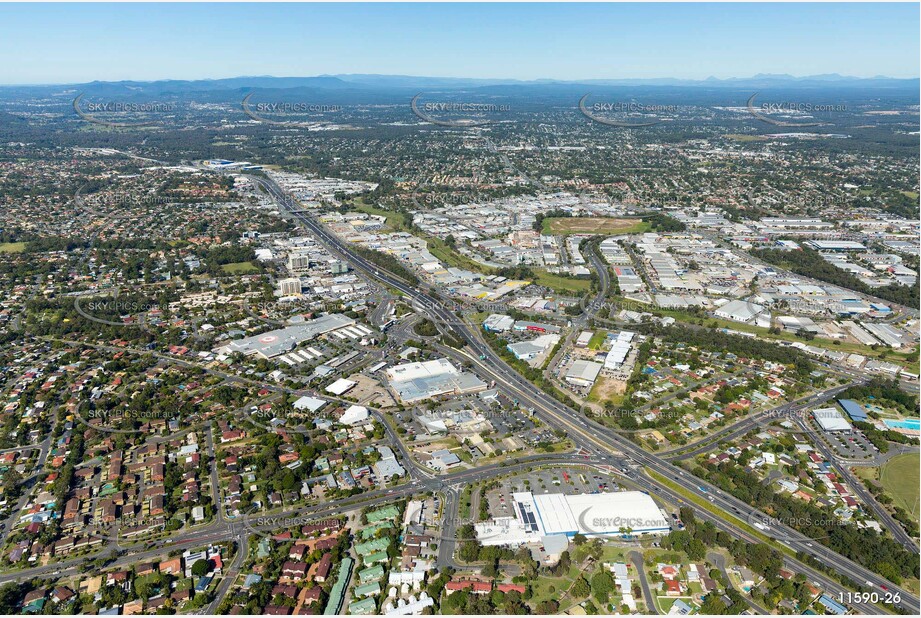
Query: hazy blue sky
<point>76,43</point>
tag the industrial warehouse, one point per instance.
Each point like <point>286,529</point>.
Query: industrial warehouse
<point>412,382</point>
<point>623,513</point>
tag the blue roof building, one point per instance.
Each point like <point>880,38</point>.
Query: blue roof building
<point>831,605</point>
<point>853,409</point>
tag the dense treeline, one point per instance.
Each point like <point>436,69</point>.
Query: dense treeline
<point>884,392</point>
<point>864,546</point>
<point>748,347</point>
<point>516,272</point>
<point>388,263</point>
<point>550,214</point>
<point>810,263</point>
<point>661,222</point>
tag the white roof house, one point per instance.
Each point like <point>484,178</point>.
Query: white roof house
<point>354,415</point>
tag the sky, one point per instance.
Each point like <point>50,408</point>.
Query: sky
<point>74,43</point>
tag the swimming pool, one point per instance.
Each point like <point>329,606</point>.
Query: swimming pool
<point>912,423</point>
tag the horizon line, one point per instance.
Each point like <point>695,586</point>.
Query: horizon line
<point>842,77</point>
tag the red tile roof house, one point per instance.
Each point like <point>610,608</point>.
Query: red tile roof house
<point>172,566</point>
<point>667,572</point>
<point>62,594</point>
<point>284,590</point>
<point>506,588</point>
<point>474,587</point>
<point>230,436</point>
<point>309,596</point>
<point>672,587</point>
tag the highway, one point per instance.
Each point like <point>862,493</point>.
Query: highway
<point>597,438</point>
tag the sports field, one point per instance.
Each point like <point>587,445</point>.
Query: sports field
<point>900,477</point>
<point>238,268</point>
<point>593,225</point>
<point>12,247</point>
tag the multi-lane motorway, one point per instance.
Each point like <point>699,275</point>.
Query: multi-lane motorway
<point>597,438</point>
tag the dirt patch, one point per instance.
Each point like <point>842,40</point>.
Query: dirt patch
<point>370,392</point>
<point>593,225</point>
<point>608,389</point>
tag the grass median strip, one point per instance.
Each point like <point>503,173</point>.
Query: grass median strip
<point>705,504</point>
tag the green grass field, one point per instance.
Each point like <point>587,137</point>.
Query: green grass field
<point>237,268</point>
<point>12,247</point>
<point>901,477</point>
<point>597,339</point>
<point>560,283</point>
<point>593,225</point>
<point>394,219</point>
<point>451,257</point>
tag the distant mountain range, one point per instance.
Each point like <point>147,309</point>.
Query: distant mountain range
<point>360,89</point>
<point>409,82</point>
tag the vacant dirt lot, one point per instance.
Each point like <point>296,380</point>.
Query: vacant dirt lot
<point>593,225</point>
<point>608,389</point>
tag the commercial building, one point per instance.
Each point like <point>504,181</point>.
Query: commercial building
<point>388,466</point>
<point>853,409</point>
<point>885,333</point>
<point>835,245</point>
<point>619,350</point>
<point>739,311</point>
<point>340,387</point>
<point>412,382</point>
<point>527,350</point>
<point>289,287</point>
<point>829,419</point>
<point>536,326</point>
<point>354,415</point>
<point>298,261</point>
<point>583,372</point>
<point>310,404</point>
<point>498,323</point>
<point>276,342</point>
<point>549,515</point>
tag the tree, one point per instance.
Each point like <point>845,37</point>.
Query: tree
<point>580,589</point>
<point>602,585</point>
<point>201,568</point>
<point>548,607</point>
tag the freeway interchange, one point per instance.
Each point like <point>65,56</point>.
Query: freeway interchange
<point>605,445</point>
